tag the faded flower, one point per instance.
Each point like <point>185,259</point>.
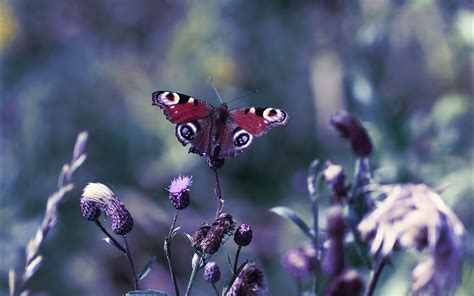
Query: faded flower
<point>249,282</point>
<point>335,178</point>
<point>350,128</point>
<point>222,227</point>
<point>299,262</point>
<point>415,216</point>
<point>179,192</point>
<point>199,235</point>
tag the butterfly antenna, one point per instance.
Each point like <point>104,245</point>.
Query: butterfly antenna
<point>241,97</point>
<point>215,89</point>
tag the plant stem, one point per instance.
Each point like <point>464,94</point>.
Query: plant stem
<point>218,193</point>
<point>215,289</point>
<point>313,182</point>
<point>130,261</point>
<point>196,267</point>
<point>299,287</point>
<point>237,259</point>
<point>374,277</point>
<point>168,253</point>
<point>115,242</point>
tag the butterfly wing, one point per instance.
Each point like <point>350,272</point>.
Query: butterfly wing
<point>180,108</point>
<point>191,116</point>
<point>245,123</point>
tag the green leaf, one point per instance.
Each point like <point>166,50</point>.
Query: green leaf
<point>146,270</point>
<point>293,217</point>
<point>112,243</point>
<point>146,292</point>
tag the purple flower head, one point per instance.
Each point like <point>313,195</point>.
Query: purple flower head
<point>243,235</point>
<point>212,272</point>
<point>350,128</point>
<point>179,192</point>
<point>180,184</point>
<point>89,209</point>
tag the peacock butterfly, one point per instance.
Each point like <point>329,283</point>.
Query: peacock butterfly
<point>217,133</point>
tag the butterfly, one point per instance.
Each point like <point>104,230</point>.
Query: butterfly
<point>216,132</point>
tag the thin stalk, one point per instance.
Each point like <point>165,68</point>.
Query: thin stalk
<point>374,277</point>
<point>116,243</point>
<point>313,182</point>
<point>215,289</point>
<point>196,267</point>
<point>130,261</point>
<point>218,193</point>
<point>236,261</point>
<point>168,253</point>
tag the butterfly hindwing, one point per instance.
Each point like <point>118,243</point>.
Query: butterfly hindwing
<point>180,108</point>
<point>258,121</point>
<point>196,133</point>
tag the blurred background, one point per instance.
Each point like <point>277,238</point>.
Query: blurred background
<point>405,68</point>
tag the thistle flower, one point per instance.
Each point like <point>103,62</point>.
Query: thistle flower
<point>89,210</point>
<point>348,283</point>
<point>222,227</point>
<point>335,178</point>
<point>179,192</point>
<point>212,272</point>
<point>104,198</point>
<point>414,216</point>
<point>299,262</point>
<point>350,128</point>
<point>243,235</point>
<point>333,259</point>
<point>249,282</point>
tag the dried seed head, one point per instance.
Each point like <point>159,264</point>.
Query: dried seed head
<point>350,128</point>
<point>299,262</point>
<point>249,282</point>
<point>243,235</point>
<point>223,226</point>
<point>199,235</point>
<point>89,210</point>
<point>212,272</point>
<point>100,194</point>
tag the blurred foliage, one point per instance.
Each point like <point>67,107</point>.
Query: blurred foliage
<point>403,67</point>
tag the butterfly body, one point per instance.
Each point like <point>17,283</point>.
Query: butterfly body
<point>216,132</point>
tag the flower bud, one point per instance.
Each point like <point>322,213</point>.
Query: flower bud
<point>249,282</point>
<point>299,262</point>
<point>212,272</point>
<point>243,235</point>
<point>122,221</point>
<point>348,283</point>
<point>350,128</point>
<point>89,210</point>
<point>335,177</point>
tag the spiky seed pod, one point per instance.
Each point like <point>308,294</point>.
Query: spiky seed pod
<point>350,128</point>
<point>199,235</point>
<point>212,272</point>
<point>249,282</point>
<point>243,235</point>
<point>89,210</point>
<point>122,221</point>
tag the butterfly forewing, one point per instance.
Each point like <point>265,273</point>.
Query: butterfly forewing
<point>180,108</point>
<point>258,121</point>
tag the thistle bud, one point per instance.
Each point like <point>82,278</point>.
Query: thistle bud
<point>348,283</point>
<point>350,128</point>
<point>243,235</point>
<point>179,192</point>
<point>249,282</point>
<point>89,209</point>
<point>212,272</point>
<point>122,221</point>
<point>333,259</point>
<point>299,262</point>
